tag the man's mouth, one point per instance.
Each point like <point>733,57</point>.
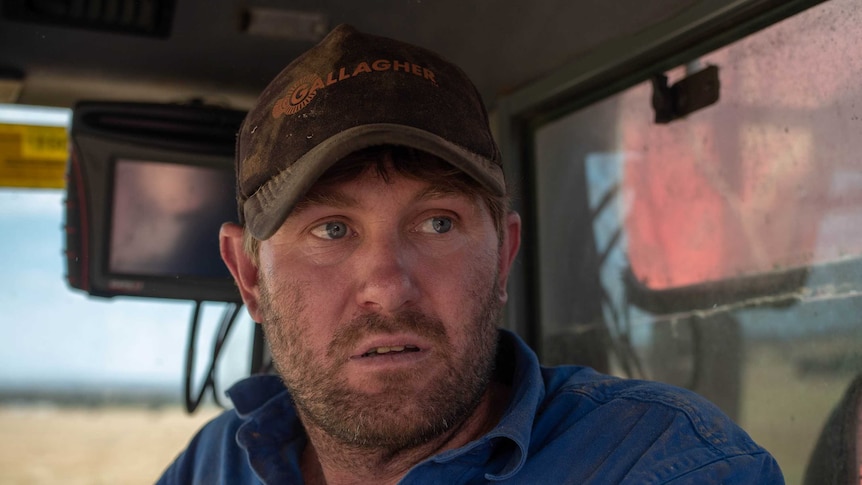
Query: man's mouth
<point>396,349</point>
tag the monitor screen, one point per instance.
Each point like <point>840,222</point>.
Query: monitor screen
<point>165,219</point>
<point>148,188</point>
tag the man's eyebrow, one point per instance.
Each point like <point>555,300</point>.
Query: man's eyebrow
<point>439,191</point>
<point>328,198</point>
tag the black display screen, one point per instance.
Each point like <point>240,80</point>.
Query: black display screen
<point>165,219</point>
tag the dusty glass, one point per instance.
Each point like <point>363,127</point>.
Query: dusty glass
<point>726,244</point>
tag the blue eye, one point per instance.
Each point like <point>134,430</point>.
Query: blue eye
<point>439,225</point>
<point>442,224</point>
<point>331,230</point>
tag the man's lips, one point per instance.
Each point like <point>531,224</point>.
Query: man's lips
<point>389,346</point>
<point>390,350</point>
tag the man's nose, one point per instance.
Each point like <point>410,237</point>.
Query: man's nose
<point>386,270</point>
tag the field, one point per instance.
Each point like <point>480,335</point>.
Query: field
<point>92,445</point>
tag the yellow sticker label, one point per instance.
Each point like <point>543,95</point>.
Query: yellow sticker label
<point>33,156</point>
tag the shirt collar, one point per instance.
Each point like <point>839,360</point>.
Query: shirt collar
<point>250,394</point>
<point>271,433</point>
<point>517,361</point>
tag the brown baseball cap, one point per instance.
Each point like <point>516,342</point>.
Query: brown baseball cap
<point>350,92</point>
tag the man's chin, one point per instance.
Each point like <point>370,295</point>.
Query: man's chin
<point>381,383</point>
<point>384,421</point>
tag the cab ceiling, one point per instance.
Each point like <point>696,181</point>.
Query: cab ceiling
<point>206,49</point>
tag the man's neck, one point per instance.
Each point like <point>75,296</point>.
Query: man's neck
<point>331,462</point>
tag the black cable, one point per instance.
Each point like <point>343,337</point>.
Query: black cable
<point>604,202</point>
<point>190,358</point>
<point>615,239</point>
<point>227,321</point>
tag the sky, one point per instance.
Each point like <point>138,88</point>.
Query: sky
<point>54,336</point>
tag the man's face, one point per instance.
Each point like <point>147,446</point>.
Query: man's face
<point>380,302</point>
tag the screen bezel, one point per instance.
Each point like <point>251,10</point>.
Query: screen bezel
<point>96,157</point>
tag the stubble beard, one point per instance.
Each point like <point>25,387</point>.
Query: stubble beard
<point>398,418</point>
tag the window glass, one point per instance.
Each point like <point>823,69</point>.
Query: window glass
<point>91,389</point>
<point>721,251</point>
<point>767,180</point>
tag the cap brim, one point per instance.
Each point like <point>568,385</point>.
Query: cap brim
<point>266,209</point>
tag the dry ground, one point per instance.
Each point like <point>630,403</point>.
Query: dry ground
<point>92,446</point>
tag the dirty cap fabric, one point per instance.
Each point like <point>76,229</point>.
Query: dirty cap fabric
<point>350,92</point>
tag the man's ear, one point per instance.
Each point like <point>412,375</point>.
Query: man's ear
<point>508,251</point>
<point>242,268</point>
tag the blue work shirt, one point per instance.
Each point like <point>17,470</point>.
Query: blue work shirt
<point>564,425</point>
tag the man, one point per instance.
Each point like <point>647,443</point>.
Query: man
<point>374,248</point>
